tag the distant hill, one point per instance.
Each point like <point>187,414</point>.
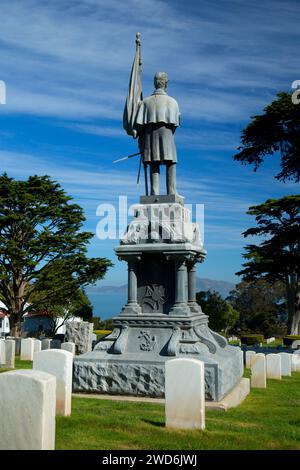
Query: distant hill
<point>223,287</point>
<point>108,300</point>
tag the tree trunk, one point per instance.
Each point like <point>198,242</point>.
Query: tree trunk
<point>296,322</point>
<point>293,306</point>
<point>15,324</point>
<point>16,307</point>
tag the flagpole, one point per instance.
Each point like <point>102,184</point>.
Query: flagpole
<point>138,50</point>
<point>138,47</point>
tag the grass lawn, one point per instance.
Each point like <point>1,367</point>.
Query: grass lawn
<point>19,365</point>
<point>267,419</point>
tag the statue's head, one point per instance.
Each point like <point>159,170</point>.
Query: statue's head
<point>161,80</point>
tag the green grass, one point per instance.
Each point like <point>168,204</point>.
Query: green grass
<point>268,419</point>
<point>19,365</point>
<point>274,344</point>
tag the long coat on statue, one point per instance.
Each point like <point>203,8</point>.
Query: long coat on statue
<point>157,119</point>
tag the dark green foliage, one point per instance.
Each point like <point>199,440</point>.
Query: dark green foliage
<point>106,324</point>
<point>222,316</point>
<point>102,324</point>
<point>289,339</point>
<point>76,305</point>
<point>275,131</point>
<point>261,306</point>
<point>252,339</point>
<point>277,258</point>
<point>96,323</point>
<point>42,246</point>
<point>82,306</point>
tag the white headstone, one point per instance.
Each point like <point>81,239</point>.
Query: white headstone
<point>273,366</point>
<point>185,394</point>
<point>295,362</point>
<point>296,344</point>
<point>241,358</point>
<point>2,352</point>
<point>27,410</point>
<point>286,364</point>
<point>27,348</point>
<point>17,340</point>
<point>10,353</point>
<point>46,344</point>
<point>249,355</point>
<point>258,371</point>
<point>60,364</point>
<point>68,346</point>
<point>37,345</point>
<point>270,340</point>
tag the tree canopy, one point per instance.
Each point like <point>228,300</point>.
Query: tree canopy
<point>222,316</point>
<point>261,306</point>
<point>275,131</point>
<point>63,309</point>
<point>43,249</point>
<point>277,257</point>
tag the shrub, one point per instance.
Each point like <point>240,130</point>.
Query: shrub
<point>102,333</point>
<point>251,339</point>
<point>288,339</point>
<point>96,322</point>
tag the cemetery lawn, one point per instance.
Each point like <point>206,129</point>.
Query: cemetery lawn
<point>267,419</point>
<point>19,365</point>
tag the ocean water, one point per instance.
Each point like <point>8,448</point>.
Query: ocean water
<point>108,304</point>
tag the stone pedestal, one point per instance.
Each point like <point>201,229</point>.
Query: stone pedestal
<point>161,319</point>
<point>79,333</point>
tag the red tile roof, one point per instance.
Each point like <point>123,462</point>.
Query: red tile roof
<point>39,313</point>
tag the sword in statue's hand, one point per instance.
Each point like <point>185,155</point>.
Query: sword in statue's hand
<point>130,156</point>
<point>126,158</point>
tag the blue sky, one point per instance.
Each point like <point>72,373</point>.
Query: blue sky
<point>66,65</point>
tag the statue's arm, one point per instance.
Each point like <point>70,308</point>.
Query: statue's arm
<point>139,128</point>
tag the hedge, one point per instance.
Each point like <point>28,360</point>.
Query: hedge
<point>252,339</point>
<point>102,332</point>
<point>289,339</point>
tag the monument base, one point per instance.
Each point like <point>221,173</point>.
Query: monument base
<point>234,398</point>
<point>140,369</point>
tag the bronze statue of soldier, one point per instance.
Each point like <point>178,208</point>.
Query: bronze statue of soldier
<point>153,121</point>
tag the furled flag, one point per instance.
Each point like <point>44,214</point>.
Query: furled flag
<point>135,95</point>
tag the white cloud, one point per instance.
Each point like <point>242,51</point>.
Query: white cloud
<point>72,59</point>
<point>225,201</point>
